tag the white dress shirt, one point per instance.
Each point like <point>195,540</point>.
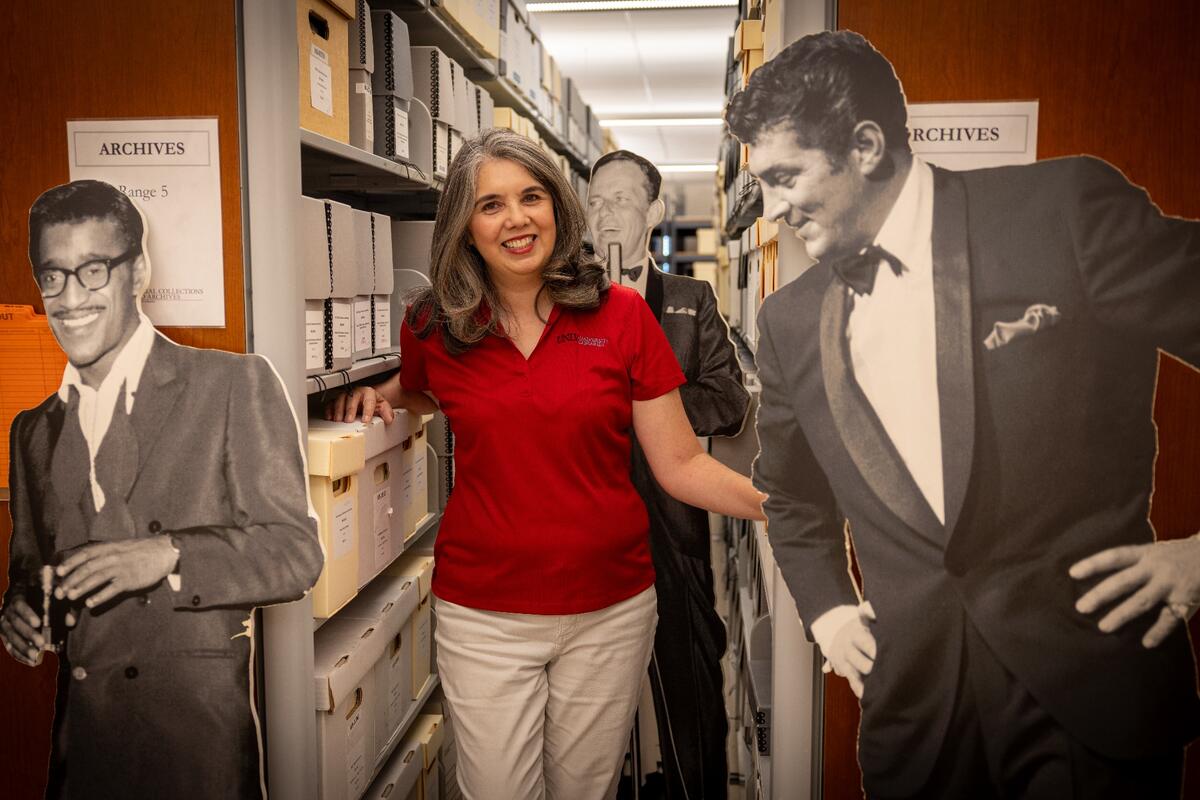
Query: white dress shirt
<point>96,405</point>
<point>893,351</point>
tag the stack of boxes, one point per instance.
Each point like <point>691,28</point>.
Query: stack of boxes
<point>392,87</point>
<point>433,87</point>
<point>362,65</point>
<point>363,685</point>
<point>372,329</point>
<point>335,459</point>
<point>479,20</point>
<point>372,483</point>
<point>322,37</point>
<point>327,256</point>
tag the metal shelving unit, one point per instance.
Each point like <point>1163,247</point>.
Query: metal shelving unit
<point>366,368</point>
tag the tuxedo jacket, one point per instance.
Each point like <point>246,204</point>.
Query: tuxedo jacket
<point>713,397</point>
<point>154,690</point>
<point>1048,452</point>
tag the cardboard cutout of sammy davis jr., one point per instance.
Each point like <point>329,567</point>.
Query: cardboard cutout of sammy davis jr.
<point>156,498</point>
<point>685,668</point>
<point>966,377</point>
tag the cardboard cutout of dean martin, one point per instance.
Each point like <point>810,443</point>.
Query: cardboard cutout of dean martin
<point>156,498</point>
<point>623,207</point>
<point>966,376</point>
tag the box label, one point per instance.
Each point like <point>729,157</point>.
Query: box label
<point>320,81</point>
<point>399,688</point>
<point>342,331</point>
<point>343,527</point>
<point>358,769</point>
<point>400,118</point>
<point>406,490</point>
<point>314,338</point>
<point>383,324</point>
<point>362,325</point>
<point>383,515</point>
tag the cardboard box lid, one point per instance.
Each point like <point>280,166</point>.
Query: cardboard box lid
<point>400,774</point>
<point>377,435</point>
<point>388,601</point>
<point>392,46</point>
<point>335,453</point>
<point>344,653</point>
<point>427,728</point>
<point>412,564</point>
<point>382,264</point>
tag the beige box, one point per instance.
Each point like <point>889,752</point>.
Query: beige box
<point>362,111</point>
<point>419,508</point>
<point>393,73</point>
<point>345,652</point>
<point>433,83</point>
<point>364,282</point>
<point>388,604</point>
<point>382,283</point>
<point>484,109</point>
<point>382,499</point>
<point>401,777</point>
<point>418,566</point>
<point>479,21</point>
<point>464,103</point>
<point>321,37</point>
<point>748,36</point>
<point>427,729</point>
<point>326,249</point>
<point>334,459</point>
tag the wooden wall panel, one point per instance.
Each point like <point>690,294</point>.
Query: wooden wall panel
<point>1119,80</point>
<point>120,58</point>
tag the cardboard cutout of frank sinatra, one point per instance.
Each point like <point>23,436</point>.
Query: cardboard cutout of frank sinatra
<point>156,498</point>
<point>966,378</point>
<point>623,208</point>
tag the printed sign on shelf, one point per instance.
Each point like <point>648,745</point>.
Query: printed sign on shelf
<point>171,170</point>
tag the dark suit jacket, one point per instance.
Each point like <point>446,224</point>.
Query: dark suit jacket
<point>154,692</point>
<point>713,397</point>
<point>1048,451</point>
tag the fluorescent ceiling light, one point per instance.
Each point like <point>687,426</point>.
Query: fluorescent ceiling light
<point>664,122</point>
<point>666,168</point>
<point>629,5</point>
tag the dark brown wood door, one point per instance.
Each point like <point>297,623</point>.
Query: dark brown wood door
<point>1119,80</point>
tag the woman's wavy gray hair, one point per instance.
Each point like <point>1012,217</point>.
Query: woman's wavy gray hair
<point>461,288</point>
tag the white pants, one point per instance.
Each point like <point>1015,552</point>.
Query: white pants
<point>543,705</point>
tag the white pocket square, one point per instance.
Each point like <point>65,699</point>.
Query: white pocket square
<point>1037,317</point>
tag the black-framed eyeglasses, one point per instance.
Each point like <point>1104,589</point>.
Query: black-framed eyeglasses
<point>92,275</point>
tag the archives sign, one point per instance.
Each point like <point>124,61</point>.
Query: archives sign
<point>171,169</point>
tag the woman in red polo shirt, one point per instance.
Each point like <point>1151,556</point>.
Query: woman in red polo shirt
<point>543,584</point>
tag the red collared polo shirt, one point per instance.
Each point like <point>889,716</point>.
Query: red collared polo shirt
<point>543,518</point>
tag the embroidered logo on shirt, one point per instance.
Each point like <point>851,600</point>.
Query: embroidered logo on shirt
<point>691,312</point>
<point>589,341</point>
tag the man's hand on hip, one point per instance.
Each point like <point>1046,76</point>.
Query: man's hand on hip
<point>1144,576</point>
<point>102,571</point>
<point>852,652</point>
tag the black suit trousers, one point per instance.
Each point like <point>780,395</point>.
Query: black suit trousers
<point>685,674</point>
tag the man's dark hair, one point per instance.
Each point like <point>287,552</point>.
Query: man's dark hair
<point>78,201</point>
<point>823,85</point>
<point>653,177</point>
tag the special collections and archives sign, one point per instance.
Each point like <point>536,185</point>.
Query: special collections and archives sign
<point>171,170</point>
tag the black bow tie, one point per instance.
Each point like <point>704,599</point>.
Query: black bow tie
<point>632,272</point>
<point>858,271</point>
